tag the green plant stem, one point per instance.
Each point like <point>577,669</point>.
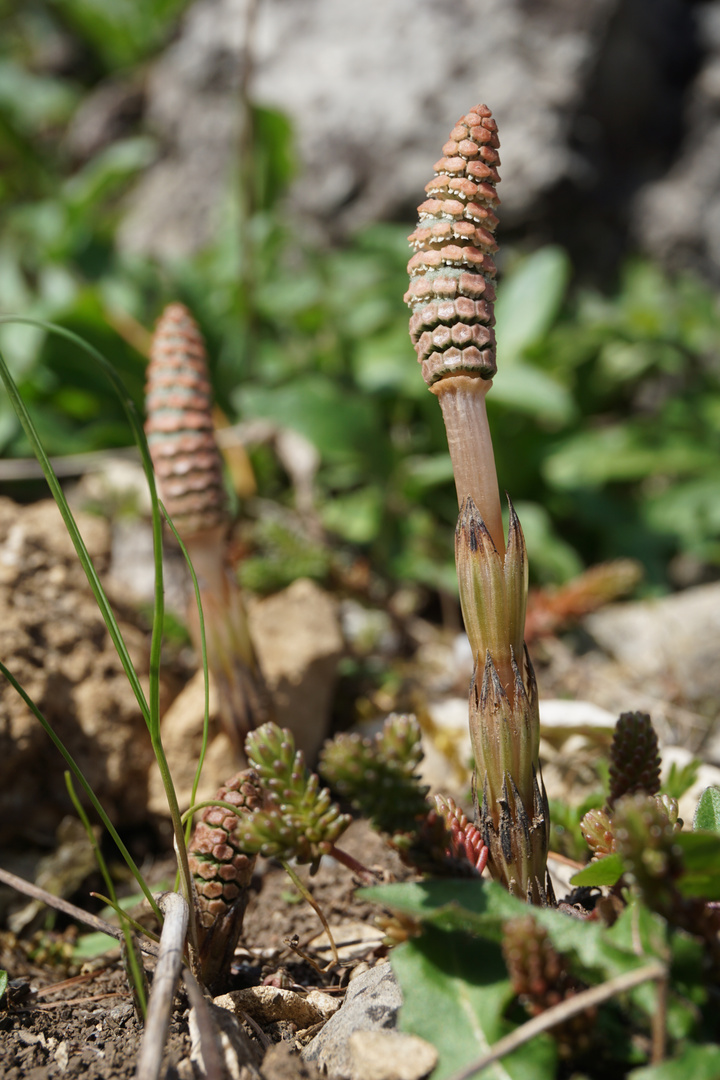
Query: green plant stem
<point>137,976</point>
<point>206,678</point>
<point>238,810</point>
<point>558,1014</point>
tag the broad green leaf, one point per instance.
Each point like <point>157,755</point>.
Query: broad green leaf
<point>605,871</point>
<point>688,510</point>
<point>551,558</point>
<point>428,470</point>
<point>91,945</point>
<point>482,907</point>
<point>528,302</point>
<point>34,101</point>
<point>109,169</point>
<point>707,813</point>
<point>528,390</point>
<point>357,516</point>
<point>387,362</point>
<point>642,931</point>
<point>693,1063</point>
<point>701,851</point>
<point>3,982</point>
<point>455,991</point>
<point>336,422</point>
<point>621,452</point>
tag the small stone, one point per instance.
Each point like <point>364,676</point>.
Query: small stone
<point>390,1055</point>
<point>371,1004</point>
<point>267,1004</point>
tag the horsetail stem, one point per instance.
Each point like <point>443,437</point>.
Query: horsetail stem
<point>189,472</point>
<point>451,296</point>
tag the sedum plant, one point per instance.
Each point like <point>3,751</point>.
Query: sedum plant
<point>379,776</point>
<point>451,296</point>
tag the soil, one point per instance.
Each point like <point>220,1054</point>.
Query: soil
<point>86,1027</point>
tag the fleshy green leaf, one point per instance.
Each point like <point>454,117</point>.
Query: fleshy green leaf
<point>3,982</point>
<point>454,994</point>
<point>707,813</point>
<point>606,871</point>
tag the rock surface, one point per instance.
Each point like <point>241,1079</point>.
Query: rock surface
<point>371,1004</point>
<point>297,640</point>
<point>672,642</point>
<point>372,91</point>
<point>390,1055</point>
<point>54,641</point>
<point>678,216</point>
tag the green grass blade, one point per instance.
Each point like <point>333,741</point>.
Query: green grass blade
<point>151,711</point>
<point>78,542</point>
<point>203,649</point>
<point>125,921</point>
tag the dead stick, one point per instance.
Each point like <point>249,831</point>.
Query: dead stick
<point>558,1014</point>
<point>165,981</point>
<point>659,1022</point>
<point>211,1053</point>
<point>93,921</point>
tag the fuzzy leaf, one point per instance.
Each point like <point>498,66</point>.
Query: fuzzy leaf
<point>606,871</point>
<point>454,994</point>
<point>707,813</point>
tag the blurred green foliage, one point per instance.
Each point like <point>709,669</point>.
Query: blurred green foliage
<point>605,411</point>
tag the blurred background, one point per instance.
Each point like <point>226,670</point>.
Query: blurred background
<point>261,161</point>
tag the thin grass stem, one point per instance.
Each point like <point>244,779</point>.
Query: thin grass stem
<point>150,712</point>
<point>117,908</point>
<point>307,895</point>
<point>137,976</point>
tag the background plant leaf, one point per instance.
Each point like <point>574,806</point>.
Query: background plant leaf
<point>707,812</point>
<point>455,991</point>
<point>605,871</point>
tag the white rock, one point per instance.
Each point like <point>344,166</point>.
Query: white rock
<point>372,1003</point>
<point>390,1055</point>
<point>560,718</point>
